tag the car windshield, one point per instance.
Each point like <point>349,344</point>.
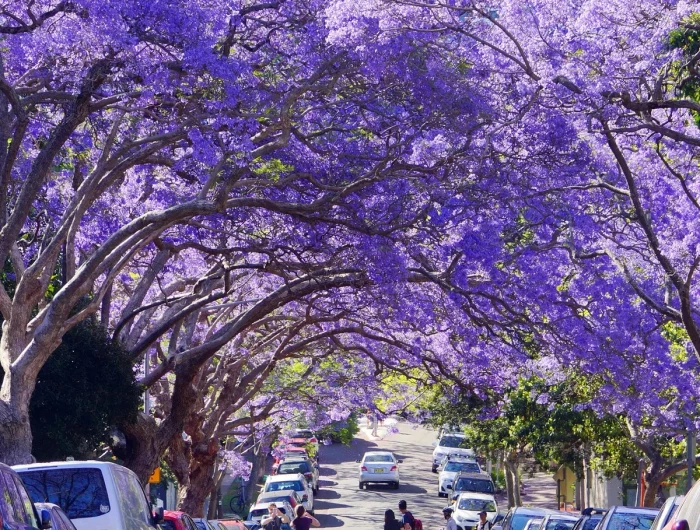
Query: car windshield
<point>295,485</point>
<point>464,467</point>
<point>305,434</point>
<point>475,484</point>
<point>378,458</point>
<point>520,520</point>
<point>554,524</point>
<point>261,512</point>
<point>293,467</point>
<point>80,492</point>
<point>591,523</point>
<point>630,521</point>
<point>476,505</point>
<point>451,441</point>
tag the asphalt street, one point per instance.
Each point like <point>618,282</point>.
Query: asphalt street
<point>340,502</point>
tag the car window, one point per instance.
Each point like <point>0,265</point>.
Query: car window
<point>188,522</point>
<point>591,523</point>
<point>136,512</point>
<point>464,467</point>
<point>477,485</point>
<point>630,521</point>
<point>80,492</point>
<point>379,458</point>
<point>27,510</point>
<point>519,521</point>
<point>10,500</point>
<point>168,525</point>
<point>201,525</point>
<point>293,467</point>
<point>690,509</point>
<point>64,518</point>
<point>476,505</point>
<point>451,441</point>
<point>559,525</point>
<point>295,485</point>
<point>56,522</point>
<point>261,512</point>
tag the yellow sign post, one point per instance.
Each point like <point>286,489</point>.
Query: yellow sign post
<point>155,477</point>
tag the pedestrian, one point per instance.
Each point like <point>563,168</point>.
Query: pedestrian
<point>408,522</point>
<point>390,521</point>
<point>304,520</point>
<point>274,519</point>
<point>483,523</point>
<point>451,523</point>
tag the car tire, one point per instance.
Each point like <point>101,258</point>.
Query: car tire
<point>396,485</point>
<point>362,485</point>
<point>441,494</point>
<point>434,469</point>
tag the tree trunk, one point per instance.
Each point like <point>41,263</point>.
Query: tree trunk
<point>510,486</point>
<point>256,473</point>
<point>15,435</point>
<point>193,495</point>
<point>652,483</point>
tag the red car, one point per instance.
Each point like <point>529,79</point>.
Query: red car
<point>177,521</point>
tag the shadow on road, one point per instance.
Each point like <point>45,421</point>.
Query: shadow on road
<point>327,472</point>
<point>327,483</point>
<point>327,494</point>
<point>329,521</point>
<point>347,453</point>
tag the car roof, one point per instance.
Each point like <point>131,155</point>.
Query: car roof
<point>284,478</point>
<point>379,453</point>
<point>634,509</point>
<point>562,516</point>
<point>69,464</point>
<point>526,510</point>
<point>475,495</point>
<point>295,458</point>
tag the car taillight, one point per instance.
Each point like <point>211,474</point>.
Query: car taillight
<point>393,468</point>
<point>364,468</point>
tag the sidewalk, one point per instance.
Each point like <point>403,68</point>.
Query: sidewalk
<point>540,490</point>
<point>382,428</point>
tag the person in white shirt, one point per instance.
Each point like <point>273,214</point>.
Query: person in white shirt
<point>483,523</point>
<point>451,523</point>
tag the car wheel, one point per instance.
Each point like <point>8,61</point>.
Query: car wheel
<point>396,485</point>
<point>361,485</point>
<point>441,494</point>
<point>434,469</point>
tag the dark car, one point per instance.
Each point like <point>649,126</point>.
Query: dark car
<point>518,517</point>
<point>475,482</point>
<point>59,519</point>
<point>305,466</point>
<point>16,509</point>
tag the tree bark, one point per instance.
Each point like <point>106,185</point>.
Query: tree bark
<point>510,485</point>
<point>193,495</point>
<point>15,435</point>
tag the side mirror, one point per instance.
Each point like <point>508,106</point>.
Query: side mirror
<point>400,461</point>
<point>45,516</point>
<point>681,525</point>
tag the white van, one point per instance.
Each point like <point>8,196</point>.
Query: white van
<point>94,495</point>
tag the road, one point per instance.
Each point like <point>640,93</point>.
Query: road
<point>340,502</point>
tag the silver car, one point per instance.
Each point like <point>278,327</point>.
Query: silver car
<point>379,467</point>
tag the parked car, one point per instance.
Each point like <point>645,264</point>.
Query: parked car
<point>203,524</point>
<point>289,451</point>
<point>174,520</point>
<point>305,466</point>
<point>628,517</point>
<point>232,523</point>
<point>450,443</point>
<point>468,506</point>
<point>558,521</point>
<point>260,510</point>
<point>518,517</point>
<point>666,512</point>
<point>59,519</point>
<point>16,509</point>
<point>290,497</point>
<point>379,467</point>
<point>94,495</point>
<point>451,468</point>
<point>688,511</point>
<point>473,482</point>
<point>308,436</point>
<point>297,483</point>
<point>589,518</point>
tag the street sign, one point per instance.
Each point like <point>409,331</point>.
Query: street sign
<point>155,477</point>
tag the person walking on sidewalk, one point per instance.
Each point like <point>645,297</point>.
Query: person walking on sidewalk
<point>408,522</point>
<point>483,523</point>
<point>451,523</point>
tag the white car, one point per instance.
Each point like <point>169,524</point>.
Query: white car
<point>451,468</point>
<point>379,467</point>
<point>292,482</point>
<point>468,506</point>
<point>260,510</point>
<point>450,444</point>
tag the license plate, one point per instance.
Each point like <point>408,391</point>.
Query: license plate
<point>379,470</point>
